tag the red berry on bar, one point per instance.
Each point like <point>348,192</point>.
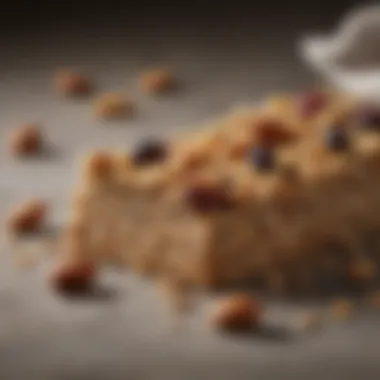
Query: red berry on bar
<point>310,103</point>
<point>205,198</point>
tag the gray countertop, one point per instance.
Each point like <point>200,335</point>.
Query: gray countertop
<point>131,334</point>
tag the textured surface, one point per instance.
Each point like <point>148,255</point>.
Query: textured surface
<point>130,334</point>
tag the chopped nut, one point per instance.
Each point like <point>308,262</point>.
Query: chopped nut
<point>361,271</point>
<point>71,83</point>
<point>72,276</point>
<point>28,217</point>
<point>99,165</point>
<point>157,81</point>
<point>26,140</point>
<point>113,106</point>
<point>342,309</point>
<point>237,312</point>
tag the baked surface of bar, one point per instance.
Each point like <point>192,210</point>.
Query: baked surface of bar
<point>259,193</point>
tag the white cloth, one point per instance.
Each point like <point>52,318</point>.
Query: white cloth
<point>350,56</point>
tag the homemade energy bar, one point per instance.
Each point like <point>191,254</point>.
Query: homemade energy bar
<point>259,194</point>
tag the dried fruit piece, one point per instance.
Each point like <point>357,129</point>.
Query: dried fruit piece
<point>71,83</point>
<point>157,81</point>
<point>209,198</point>
<point>149,152</point>
<point>273,133</point>
<point>26,140</point>
<point>310,103</point>
<point>113,106</point>
<point>237,312</point>
<point>72,277</point>
<point>28,217</point>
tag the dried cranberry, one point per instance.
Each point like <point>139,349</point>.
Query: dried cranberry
<point>209,198</point>
<point>311,103</point>
<point>149,152</point>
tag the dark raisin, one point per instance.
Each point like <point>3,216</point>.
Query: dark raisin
<point>262,157</point>
<point>311,103</point>
<point>336,139</point>
<point>205,198</point>
<point>369,117</point>
<point>149,152</point>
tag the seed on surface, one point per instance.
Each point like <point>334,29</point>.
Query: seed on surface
<point>26,140</point>
<point>28,216</point>
<point>113,106</point>
<point>157,81</point>
<point>310,103</point>
<point>208,198</point>
<point>336,139</point>
<point>150,152</point>
<point>71,83</point>
<point>262,157</point>
<point>72,277</point>
<point>237,313</point>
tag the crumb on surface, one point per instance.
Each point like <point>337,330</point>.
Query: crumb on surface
<point>25,140</point>
<point>28,216</point>
<point>237,312</point>
<point>113,106</point>
<point>157,81</point>
<point>72,276</point>
<point>343,309</point>
<point>72,83</point>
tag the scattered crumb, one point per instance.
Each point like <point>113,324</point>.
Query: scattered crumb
<point>373,300</point>
<point>177,293</point>
<point>25,140</point>
<point>28,216</point>
<point>311,321</point>
<point>343,309</point>
<point>71,83</point>
<point>237,312</point>
<point>362,271</point>
<point>157,81</point>
<point>98,165</point>
<point>72,276</point>
<point>113,106</point>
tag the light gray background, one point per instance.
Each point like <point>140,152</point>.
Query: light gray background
<point>221,61</point>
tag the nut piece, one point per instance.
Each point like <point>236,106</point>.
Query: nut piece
<point>342,309</point>
<point>99,165</point>
<point>71,83</point>
<point>237,312</point>
<point>157,81</point>
<point>28,217</point>
<point>113,106</point>
<point>25,140</point>
<point>72,277</point>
